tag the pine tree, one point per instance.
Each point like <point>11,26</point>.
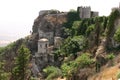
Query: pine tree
<point>21,64</point>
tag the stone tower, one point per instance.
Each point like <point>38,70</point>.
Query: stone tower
<point>43,44</point>
<point>84,12</point>
<point>41,57</point>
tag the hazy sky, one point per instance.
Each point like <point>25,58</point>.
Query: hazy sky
<point>17,16</point>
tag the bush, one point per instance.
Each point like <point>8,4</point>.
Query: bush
<point>73,45</point>
<point>118,76</point>
<point>84,60</point>
<point>68,68</point>
<point>52,72</point>
<point>117,35</point>
<point>90,29</point>
<point>110,56</point>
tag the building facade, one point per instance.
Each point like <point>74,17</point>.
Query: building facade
<point>85,12</point>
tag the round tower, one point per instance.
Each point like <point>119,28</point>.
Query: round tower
<point>43,45</point>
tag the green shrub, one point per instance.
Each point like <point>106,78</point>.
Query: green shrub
<point>90,29</point>
<point>69,68</point>
<point>110,56</point>
<point>118,75</point>
<point>73,45</point>
<point>52,72</point>
<point>84,60</point>
<point>117,35</point>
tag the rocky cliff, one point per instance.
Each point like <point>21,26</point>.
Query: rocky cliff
<point>74,65</point>
<point>49,22</point>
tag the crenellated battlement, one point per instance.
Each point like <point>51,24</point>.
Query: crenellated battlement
<point>85,12</point>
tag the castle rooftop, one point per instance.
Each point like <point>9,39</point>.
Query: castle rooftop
<point>43,40</point>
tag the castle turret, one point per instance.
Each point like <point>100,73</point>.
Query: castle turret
<point>43,45</point>
<point>84,12</point>
<point>41,57</point>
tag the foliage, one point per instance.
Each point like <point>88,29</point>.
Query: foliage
<point>113,16</point>
<point>83,27</point>
<point>52,72</point>
<point>117,35</point>
<point>32,78</point>
<point>71,67</point>
<point>21,64</point>
<point>73,45</point>
<point>110,56</point>
<point>118,75</point>
<point>90,29</point>
<point>71,17</point>
<point>73,30</point>
<point>75,27</point>
<point>68,68</point>
<point>8,47</point>
<point>3,75</point>
<point>84,60</point>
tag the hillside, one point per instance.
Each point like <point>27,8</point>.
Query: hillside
<point>65,47</point>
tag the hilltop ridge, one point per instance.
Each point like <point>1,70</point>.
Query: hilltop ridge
<point>72,45</point>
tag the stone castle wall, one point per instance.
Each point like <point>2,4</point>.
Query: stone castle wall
<point>85,12</point>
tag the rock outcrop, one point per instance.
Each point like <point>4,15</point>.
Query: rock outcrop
<point>48,24</point>
<point>46,29</point>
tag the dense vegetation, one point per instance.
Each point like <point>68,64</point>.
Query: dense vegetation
<point>14,60</point>
<point>79,35</point>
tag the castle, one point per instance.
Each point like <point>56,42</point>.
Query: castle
<point>85,12</point>
<point>49,36</point>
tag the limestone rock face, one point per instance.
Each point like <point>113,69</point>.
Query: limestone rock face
<point>48,24</point>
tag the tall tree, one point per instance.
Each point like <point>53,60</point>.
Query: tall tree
<point>21,64</point>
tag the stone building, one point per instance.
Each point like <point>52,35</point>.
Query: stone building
<point>85,12</point>
<point>41,57</point>
<point>94,14</point>
<point>57,42</point>
<point>43,45</point>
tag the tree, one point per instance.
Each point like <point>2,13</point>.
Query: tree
<point>73,45</point>
<point>3,74</point>
<point>21,64</point>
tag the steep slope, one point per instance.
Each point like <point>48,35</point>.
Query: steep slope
<point>47,21</point>
<point>107,74</point>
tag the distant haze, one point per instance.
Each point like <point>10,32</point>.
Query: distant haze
<point>17,16</point>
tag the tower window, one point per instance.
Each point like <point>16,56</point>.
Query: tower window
<point>46,45</point>
<point>41,46</point>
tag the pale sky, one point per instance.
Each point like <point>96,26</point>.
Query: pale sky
<point>17,16</point>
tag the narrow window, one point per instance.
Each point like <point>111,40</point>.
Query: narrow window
<point>46,45</point>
